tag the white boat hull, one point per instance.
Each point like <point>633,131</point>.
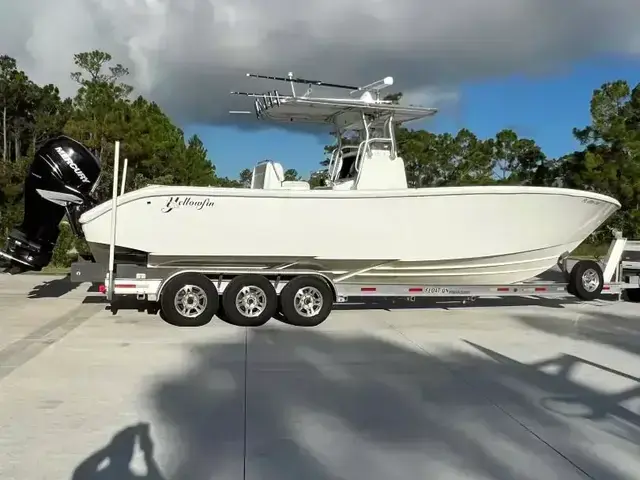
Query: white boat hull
<point>454,236</point>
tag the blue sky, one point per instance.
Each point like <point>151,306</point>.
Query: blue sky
<point>544,107</point>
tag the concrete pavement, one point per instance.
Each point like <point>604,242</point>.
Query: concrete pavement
<point>506,389</point>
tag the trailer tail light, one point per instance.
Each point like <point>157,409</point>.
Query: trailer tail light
<point>103,288</point>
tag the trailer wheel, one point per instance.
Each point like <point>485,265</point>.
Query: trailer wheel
<point>249,301</point>
<point>586,280</point>
<point>306,301</point>
<point>189,300</point>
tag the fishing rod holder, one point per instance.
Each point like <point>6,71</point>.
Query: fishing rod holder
<point>262,102</point>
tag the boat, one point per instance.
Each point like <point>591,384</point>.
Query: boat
<point>365,224</point>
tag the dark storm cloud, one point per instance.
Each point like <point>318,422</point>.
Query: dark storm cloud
<point>188,54</point>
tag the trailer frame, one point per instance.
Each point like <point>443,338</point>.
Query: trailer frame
<point>149,282</point>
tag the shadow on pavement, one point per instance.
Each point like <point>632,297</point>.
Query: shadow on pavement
<point>313,406</point>
<point>619,331</point>
<point>577,400</point>
<point>113,462</point>
<point>53,288</point>
<point>607,329</point>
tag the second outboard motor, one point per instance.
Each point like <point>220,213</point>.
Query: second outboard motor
<point>61,179</point>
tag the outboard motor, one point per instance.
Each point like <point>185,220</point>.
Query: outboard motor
<point>61,179</point>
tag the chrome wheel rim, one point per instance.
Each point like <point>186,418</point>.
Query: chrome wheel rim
<point>190,301</point>
<point>308,302</point>
<point>590,280</point>
<point>251,301</point>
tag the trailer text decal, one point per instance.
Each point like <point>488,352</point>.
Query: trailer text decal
<point>186,202</point>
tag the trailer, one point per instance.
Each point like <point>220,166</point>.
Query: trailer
<point>192,295</point>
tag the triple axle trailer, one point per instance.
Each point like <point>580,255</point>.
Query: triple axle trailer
<point>192,296</point>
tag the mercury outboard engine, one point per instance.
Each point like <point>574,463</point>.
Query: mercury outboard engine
<point>61,179</point>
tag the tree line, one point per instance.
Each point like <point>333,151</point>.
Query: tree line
<point>106,108</point>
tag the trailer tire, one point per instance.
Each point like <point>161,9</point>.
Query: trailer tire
<point>196,288</point>
<point>258,294</point>
<point>586,280</point>
<point>306,301</point>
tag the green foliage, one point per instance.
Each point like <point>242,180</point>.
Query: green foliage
<point>291,175</point>
<point>63,254</point>
<point>245,178</point>
<point>610,160</point>
<point>105,109</point>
